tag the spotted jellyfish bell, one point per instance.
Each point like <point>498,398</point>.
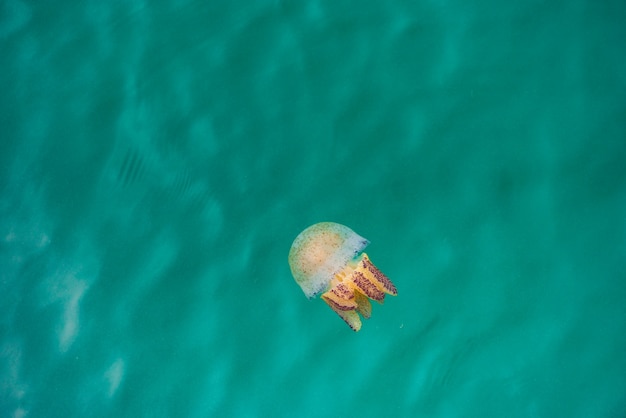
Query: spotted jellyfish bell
<point>328,257</point>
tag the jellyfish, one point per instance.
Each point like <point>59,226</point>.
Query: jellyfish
<point>328,258</point>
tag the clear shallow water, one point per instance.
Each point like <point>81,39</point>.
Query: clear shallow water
<point>157,160</point>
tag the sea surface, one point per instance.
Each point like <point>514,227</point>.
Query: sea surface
<point>157,159</point>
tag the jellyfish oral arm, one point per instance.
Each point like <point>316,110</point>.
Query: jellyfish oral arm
<point>351,289</point>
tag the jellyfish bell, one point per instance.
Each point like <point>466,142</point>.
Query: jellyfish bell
<point>321,251</point>
<point>328,257</point>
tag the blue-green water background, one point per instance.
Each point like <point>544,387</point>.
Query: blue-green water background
<point>158,158</point>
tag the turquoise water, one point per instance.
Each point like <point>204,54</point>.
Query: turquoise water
<point>158,158</point>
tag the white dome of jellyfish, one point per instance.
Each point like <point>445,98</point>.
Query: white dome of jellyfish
<point>328,257</point>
